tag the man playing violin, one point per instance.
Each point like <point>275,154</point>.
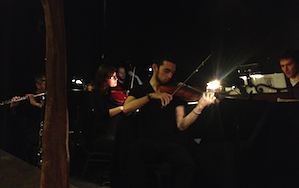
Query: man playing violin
<point>160,118</point>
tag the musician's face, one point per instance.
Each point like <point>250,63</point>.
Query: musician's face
<point>290,68</point>
<point>41,87</point>
<point>121,73</point>
<point>165,72</point>
<point>112,81</point>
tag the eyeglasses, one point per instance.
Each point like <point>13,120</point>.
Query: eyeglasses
<point>113,78</point>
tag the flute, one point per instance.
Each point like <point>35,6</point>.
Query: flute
<point>20,99</point>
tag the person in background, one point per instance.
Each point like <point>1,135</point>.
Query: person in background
<point>28,117</point>
<point>90,85</point>
<point>160,118</point>
<point>124,82</point>
<point>289,64</point>
<point>105,109</point>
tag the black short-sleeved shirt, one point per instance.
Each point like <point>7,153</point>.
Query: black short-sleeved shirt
<point>155,121</point>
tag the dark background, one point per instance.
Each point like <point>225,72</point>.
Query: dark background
<point>114,31</point>
<point>235,32</point>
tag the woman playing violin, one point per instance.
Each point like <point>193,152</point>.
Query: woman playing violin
<point>160,118</point>
<point>105,110</point>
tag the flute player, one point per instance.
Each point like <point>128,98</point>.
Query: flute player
<point>27,117</point>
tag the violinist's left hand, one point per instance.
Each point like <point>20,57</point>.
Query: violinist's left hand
<point>183,122</point>
<point>130,73</point>
<point>207,99</point>
<point>136,76</point>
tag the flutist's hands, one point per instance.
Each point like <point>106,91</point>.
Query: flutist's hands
<point>33,101</point>
<point>14,104</point>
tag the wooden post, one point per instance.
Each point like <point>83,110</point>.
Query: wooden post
<point>55,163</point>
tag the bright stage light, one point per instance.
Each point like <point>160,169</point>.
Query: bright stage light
<point>213,86</point>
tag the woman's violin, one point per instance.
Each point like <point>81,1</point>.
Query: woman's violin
<point>118,95</point>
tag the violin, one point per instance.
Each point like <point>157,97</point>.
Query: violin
<point>184,91</point>
<point>118,95</point>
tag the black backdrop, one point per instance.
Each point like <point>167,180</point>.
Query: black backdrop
<point>234,32</point>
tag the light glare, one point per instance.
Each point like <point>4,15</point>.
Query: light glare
<point>213,85</point>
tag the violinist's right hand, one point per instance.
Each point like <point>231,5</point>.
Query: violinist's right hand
<point>165,98</point>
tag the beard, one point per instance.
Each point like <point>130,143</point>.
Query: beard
<point>121,79</point>
<point>160,81</point>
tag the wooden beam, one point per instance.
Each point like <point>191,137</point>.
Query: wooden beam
<point>55,162</point>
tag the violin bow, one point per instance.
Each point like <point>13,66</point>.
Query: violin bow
<point>195,71</point>
<point>133,78</point>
